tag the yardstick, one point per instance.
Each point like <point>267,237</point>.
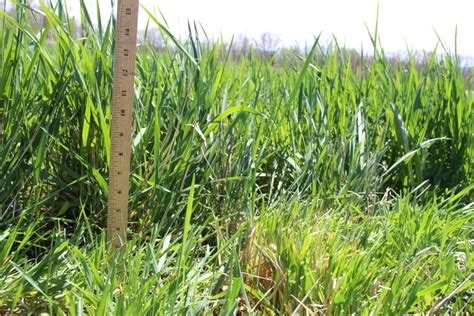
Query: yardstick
<point>121,129</point>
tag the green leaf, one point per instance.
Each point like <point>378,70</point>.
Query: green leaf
<point>303,71</point>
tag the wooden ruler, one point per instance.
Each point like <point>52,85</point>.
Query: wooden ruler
<point>121,130</point>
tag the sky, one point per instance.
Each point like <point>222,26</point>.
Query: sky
<point>403,24</point>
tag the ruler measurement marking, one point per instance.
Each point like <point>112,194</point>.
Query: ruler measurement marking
<point>121,125</point>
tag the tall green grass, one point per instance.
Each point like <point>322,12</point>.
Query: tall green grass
<point>363,162</point>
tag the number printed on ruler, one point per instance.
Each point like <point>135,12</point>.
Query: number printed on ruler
<point>121,129</point>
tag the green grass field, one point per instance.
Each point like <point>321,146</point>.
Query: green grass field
<point>327,183</point>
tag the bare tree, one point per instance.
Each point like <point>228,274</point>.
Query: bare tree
<point>268,43</point>
<point>240,47</point>
<point>155,37</point>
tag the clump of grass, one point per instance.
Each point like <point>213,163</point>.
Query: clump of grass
<point>68,280</point>
<point>378,154</point>
<point>406,256</point>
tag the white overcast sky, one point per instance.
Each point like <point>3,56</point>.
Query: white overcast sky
<point>402,23</point>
